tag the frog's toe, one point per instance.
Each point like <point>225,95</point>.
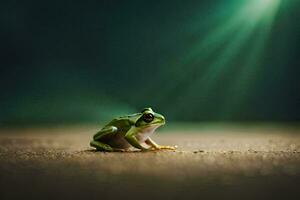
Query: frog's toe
<point>148,149</point>
<point>168,147</point>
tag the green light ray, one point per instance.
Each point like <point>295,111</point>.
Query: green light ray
<point>249,72</point>
<point>207,80</point>
<point>239,27</point>
<point>216,70</point>
<point>206,47</point>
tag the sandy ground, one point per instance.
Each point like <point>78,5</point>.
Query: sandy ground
<point>223,163</point>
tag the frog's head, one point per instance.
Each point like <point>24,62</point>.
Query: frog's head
<point>149,118</point>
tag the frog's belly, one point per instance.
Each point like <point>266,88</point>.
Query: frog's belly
<point>143,136</point>
<point>118,140</point>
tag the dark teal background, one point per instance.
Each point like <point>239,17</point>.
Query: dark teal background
<point>66,61</point>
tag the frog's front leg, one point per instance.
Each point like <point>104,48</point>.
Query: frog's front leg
<point>153,144</point>
<point>131,139</point>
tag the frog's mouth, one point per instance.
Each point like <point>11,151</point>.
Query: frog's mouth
<point>161,122</point>
<point>155,125</point>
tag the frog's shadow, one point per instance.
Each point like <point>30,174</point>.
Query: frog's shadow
<point>118,152</point>
<point>107,152</point>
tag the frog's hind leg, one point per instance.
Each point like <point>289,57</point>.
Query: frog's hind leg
<point>101,146</point>
<point>105,131</point>
<point>104,147</point>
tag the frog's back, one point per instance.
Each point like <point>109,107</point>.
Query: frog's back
<point>122,124</point>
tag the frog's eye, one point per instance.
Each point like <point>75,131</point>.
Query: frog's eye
<point>148,117</point>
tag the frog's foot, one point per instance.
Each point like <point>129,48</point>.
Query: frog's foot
<point>101,146</point>
<point>148,149</point>
<point>105,147</point>
<point>161,147</point>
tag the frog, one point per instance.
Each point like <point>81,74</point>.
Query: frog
<point>125,132</point>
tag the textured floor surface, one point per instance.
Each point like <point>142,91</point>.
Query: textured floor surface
<point>220,163</point>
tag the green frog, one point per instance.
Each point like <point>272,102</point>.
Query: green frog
<point>134,130</point>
